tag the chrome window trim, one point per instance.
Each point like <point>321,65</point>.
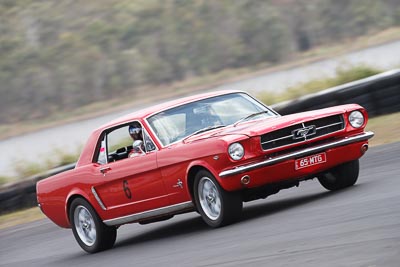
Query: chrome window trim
<point>150,213</point>
<point>151,139</point>
<point>276,114</point>
<point>107,131</point>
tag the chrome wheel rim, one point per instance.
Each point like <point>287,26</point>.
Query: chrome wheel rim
<point>84,225</point>
<point>210,198</point>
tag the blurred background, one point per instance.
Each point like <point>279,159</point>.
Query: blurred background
<point>67,66</point>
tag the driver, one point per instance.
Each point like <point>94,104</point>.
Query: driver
<point>136,133</point>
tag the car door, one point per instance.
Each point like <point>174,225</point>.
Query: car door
<point>173,161</point>
<point>129,185</point>
<point>173,164</point>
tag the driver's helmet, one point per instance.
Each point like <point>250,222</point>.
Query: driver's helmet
<point>135,128</point>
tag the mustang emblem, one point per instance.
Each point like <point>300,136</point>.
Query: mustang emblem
<point>304,132</point>
<point>178,184</point>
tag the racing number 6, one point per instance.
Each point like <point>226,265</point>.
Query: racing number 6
<point>127,191</point>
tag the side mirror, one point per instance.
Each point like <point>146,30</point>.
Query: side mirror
<point>138,147</point>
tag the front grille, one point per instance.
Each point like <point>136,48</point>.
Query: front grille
<point>301,132</point>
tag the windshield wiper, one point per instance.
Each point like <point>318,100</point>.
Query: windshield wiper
<point>203,130</point>
<point>250,116</point>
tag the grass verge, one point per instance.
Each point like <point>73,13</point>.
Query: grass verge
<point>20,217</point>
<point>386,129</point>
<point>24,168</point>
<point>343,75</point>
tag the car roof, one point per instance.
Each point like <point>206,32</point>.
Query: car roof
<point>146,112</point>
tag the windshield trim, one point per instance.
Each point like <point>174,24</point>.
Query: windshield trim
<point>161,145</point>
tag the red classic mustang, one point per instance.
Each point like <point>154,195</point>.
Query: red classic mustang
<point>206,153</point>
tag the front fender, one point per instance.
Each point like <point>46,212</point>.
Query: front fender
<point>75,193</point>
<point>204,164</point>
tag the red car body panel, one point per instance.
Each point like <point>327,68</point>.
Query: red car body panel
<point>163,178</point>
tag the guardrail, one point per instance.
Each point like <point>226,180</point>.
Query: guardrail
<point>22,194</point>
<point>379,94</point>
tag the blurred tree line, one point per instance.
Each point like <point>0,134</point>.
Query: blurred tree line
<point>56,55</point>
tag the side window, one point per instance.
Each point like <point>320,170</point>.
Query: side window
<point>149,145</point>
<point>119,144</point>
<point>126,141</point>
<point>118,139</point>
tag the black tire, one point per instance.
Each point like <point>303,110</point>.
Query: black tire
<point>216,206</point>
<point>89,231</point>
<point>340,177</point>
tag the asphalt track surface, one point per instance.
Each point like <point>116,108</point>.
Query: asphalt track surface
<point>305,226</point>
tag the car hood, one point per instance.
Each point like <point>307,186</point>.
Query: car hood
<point>262,126</point>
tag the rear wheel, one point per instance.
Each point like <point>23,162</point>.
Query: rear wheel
<point>340,177</point>
<point>216,206</point>
<point>89,231</point>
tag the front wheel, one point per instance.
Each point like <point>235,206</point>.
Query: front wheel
<point>216,206</point>
<point>89,231</point>
<point>340,177</point>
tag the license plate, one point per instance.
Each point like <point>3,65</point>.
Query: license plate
<point>309,161</point>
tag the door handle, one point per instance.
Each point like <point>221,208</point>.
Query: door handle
<point>104,170</point>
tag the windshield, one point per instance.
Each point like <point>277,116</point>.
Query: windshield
<point>180,122</point>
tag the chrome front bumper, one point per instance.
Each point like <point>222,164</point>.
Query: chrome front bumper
<point>297,154</point>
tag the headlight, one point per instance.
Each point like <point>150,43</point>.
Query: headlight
<point>356,119</point>
<point>236,151</point>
